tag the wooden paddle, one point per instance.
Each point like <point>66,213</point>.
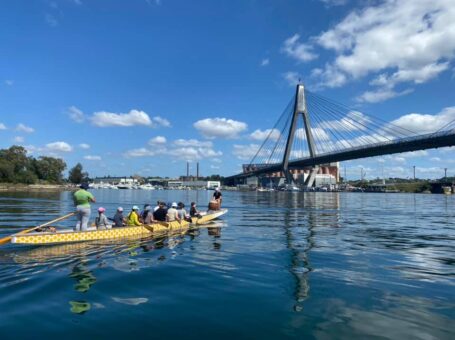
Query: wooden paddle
<point>8,238</point>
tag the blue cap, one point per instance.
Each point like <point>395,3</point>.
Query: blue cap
<point>84,186</point>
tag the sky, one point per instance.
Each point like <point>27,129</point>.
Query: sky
<point>143,86</point>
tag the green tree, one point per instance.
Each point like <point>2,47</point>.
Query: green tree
<point>50,169</point>
<point>76,175</point>
<point>15,166</point>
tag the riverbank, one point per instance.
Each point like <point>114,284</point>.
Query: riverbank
<point>35,187</point>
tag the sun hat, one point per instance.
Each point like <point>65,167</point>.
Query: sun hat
<point>174,205</point>
<point>101,209</point>
<point>119,209</point>
<point>135,207</point>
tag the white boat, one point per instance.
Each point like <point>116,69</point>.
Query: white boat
<point>147,186</point>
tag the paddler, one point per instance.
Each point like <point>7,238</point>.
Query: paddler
<point>118,218</point>
<point>172,214</point>
<point>82,199</point>
<point>133,216</point>
<point>101,221</point>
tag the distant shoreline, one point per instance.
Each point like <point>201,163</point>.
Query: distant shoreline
<point>36,187</point>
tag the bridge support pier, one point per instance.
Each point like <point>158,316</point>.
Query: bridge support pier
<point>299,109</point>
<point>309,182</point>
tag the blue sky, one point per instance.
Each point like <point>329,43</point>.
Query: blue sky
<point>138,86</point>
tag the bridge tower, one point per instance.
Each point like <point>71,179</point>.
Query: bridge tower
<point>300,109</point>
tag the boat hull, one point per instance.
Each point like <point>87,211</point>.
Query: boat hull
<point>69,236</point>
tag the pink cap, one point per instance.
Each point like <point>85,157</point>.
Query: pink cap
<point>101,209</point>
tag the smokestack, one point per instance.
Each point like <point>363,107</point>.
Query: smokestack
<point>187,169</point>
<point>197,170</point>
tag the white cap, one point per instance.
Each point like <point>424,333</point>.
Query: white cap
<point>174,205</point>
<point>119,209</point>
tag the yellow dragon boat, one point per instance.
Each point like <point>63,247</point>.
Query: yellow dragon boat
<point>69,235</point>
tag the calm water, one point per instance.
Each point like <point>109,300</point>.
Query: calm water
<point>279,265</point>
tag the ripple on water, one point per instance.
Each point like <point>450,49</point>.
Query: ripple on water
<point>324,265</point>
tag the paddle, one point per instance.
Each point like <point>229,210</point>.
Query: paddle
<point>8,238</point>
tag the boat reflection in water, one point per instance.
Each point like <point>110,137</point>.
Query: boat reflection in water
<point>85,258</point>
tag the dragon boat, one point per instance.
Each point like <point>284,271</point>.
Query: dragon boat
<point>92,234</point>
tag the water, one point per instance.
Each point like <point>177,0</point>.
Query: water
<point>279,265</point>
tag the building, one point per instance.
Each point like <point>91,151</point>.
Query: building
<point>193,184</point>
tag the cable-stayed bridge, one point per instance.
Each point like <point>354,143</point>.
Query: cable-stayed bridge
<point>313,131</point>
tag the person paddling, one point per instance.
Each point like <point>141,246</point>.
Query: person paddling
<point>119,220</point>
<point>82,199</point>
<point>193,211</point>
<point>133,216</point>
<point>101,221</point>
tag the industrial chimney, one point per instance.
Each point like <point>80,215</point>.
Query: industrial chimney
<point>197,171</point>
<point>187,169</point>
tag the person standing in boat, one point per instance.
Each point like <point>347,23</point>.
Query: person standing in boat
<point>82,199</point>
<point>133,216</point>
<point>217,197</point>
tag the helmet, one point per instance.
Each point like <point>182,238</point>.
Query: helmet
<point>101,209</point>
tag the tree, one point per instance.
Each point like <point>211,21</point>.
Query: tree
<point>76,175</point>
<point>15,166</point>
<point>49,169</point>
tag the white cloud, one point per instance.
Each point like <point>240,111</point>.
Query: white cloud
<point>292,78</point>
<point>259,135</point>
<point>161,121</point>
<point>18,139</point>
<point>214,166</point>
<point>353,121</point>
<point>426,123</point>
<point>265,62</point>
<point>195,153</point>
<point>2,126</point>
<point>9,82</point>
<point>24,128</point>
<point>318,133</point>
<point>84,146</point>
<point>75,114</point>
<point>132,118</point>
<point>297,50</point>
<point>220,127</point>
<point>193,143</point>
<point>381,94</point>
<point>407,41</point>
<point>435,159</point>
<point>158,140</point>
<point>245,152</point>
<point>216,160</point>
<point>92,158</point>
<point>59,147</point>
<point>140,152</point>
<point>413,154</point>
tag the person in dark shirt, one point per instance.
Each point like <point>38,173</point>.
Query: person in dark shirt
<point>217,196</point>
<point>193,210</point>
<point>118,218</point>
<point>160,213</point>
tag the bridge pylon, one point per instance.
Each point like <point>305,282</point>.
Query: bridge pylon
<point>300,109</point>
